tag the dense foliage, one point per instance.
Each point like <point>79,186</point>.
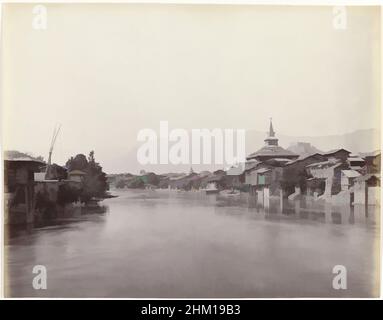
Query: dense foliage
<point>95,181</point>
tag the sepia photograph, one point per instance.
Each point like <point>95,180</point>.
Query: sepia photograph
<point>164,150</point>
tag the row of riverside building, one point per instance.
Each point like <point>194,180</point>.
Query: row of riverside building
<point>336,176</point>
<point>32,189</point>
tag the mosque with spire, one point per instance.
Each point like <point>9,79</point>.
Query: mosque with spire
<point>271,149</point>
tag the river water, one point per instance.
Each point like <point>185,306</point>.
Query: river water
<point>187,244</point>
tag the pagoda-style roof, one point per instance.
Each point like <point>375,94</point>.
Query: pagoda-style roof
<point>270,152</point>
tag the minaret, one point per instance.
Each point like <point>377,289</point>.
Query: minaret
<point>271,140</point>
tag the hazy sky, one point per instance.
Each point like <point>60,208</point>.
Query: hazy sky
<point>106,71</point>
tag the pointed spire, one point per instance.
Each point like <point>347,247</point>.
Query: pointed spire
<point>271,140</point>
<point>271,130</point>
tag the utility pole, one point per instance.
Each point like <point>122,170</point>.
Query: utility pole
<point>56,131</point>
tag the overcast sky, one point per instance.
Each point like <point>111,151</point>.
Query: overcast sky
<point>106,71</point>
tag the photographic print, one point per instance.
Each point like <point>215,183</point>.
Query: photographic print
<point>191,151</point>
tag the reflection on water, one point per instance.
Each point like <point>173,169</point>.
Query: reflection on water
<point>187,244</point>
<point>77,215</point>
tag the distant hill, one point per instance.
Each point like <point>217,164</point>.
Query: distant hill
<point>303,148</point>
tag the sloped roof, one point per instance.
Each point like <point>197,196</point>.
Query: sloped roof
<point>278,160</point>
<point>251,164</point>
<point>356,168</point>
<point>304,157</point>
<point>326,163</point>
<point>263,170</point>
<point>22,159</point>
<point>370,154</point>
<point>335,151</point>
<point>355,159</point>
<point>274,151</point>
<point>351,173</point>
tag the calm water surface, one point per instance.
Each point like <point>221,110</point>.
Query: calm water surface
<point>169,244</point>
